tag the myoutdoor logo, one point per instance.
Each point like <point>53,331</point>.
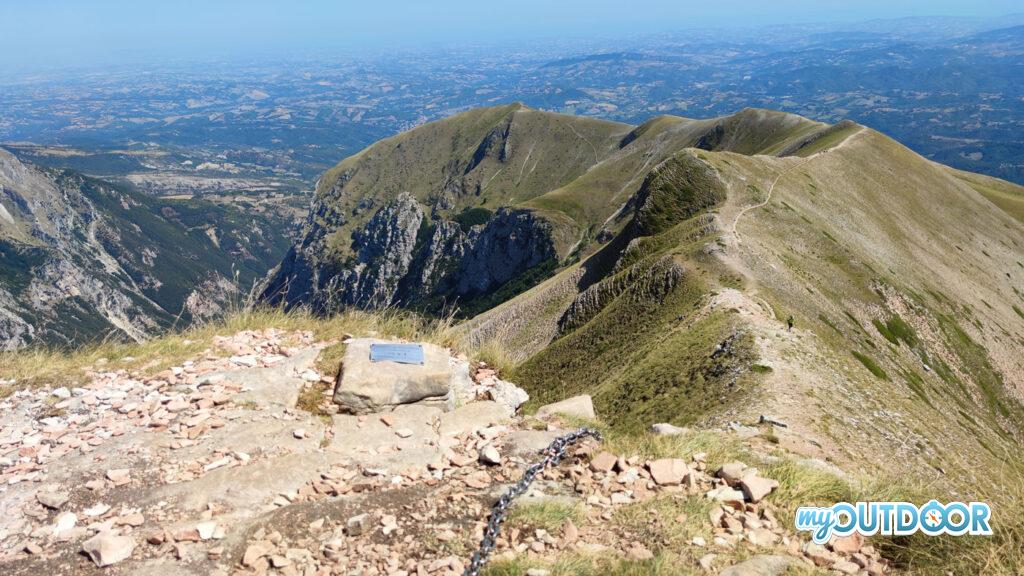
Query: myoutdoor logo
<point>894,519</point>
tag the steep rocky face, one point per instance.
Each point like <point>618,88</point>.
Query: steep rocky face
<point>401,258</point>
<point>384,254</point>
<point>81,259</point>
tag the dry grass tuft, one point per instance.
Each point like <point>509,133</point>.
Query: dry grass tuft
<point>37,367</point>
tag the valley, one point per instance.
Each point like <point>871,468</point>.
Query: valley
<point>85,260</point>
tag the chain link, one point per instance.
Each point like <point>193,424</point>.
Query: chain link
<point>553,454</point>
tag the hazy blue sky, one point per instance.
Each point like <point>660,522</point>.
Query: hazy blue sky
<point>57,33</point>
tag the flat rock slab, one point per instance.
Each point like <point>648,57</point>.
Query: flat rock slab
<point>366,387</point>
<point>527,443</point>
<point>276,385</point>
<point>578,406</point>
<point>245,490</point>
<point>473,416</point>
<point>257,435</point>
<point>374,444</point>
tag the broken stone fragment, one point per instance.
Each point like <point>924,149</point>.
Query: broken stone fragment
<point>728,496</point>
<point>176,405</point>
<point>603,462</point>
<point>570,533</point>
<point>848,544</point>
<point>478,480</point>
<point>356,525</point>
<point>732,472</point>
<point>107,548</point>
<point>208,530</point>
<point>97,510</point>
<point>64,522</point>
<point>508,395</point>
<point>845,567</point>
<point>248,360</point>
<point>669,471</point>
<point>756,488</point>
<point>762,537</point>
<point>133,520</point>
<point>490,455</point>
<point>52,500</point>
<point>581,406</point>
<point>253,553</point>
<point>220,462</point>
<point>119,476</point>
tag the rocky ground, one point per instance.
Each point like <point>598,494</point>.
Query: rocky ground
<point>211,467</point>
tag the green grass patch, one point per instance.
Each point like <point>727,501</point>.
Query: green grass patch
<point>870,364</point>
<point>916,384</point>
<point>577,564</point>
<point>826,321</point>
<point>896,330</point>
<point>547,515</point>
<point>473,216</point>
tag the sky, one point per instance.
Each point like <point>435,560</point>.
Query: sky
<point>48,34</point>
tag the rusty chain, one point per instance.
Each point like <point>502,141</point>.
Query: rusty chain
<point>553,454</point>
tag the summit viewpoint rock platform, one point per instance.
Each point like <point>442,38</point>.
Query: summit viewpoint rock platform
<point>210,467</point>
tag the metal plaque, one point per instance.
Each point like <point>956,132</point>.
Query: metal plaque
<point>400,353</point>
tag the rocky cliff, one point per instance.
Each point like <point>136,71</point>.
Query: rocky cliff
<point>402,258</point>
<point>433,217</point>
<point>81,259</point>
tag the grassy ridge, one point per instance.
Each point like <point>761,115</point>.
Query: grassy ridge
<point>1007,196</point>
<point>631,340</point>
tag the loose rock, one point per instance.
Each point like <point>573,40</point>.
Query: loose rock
<point>581,406</point>
<point>107,548</point>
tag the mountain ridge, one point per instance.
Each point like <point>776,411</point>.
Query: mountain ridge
<point>490,158</point>
<point>655,296</point>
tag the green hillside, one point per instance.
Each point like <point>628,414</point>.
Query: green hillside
<point>904,285</point>
<point>654,267</point>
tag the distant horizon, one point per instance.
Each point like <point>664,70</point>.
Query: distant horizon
<point>61,35</point>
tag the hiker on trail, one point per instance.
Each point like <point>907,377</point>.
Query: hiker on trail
<point>789,322</point>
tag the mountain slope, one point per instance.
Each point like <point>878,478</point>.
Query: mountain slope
<point>81,259</point>
<point>905,285</point>
<point>654,268</point>
<point>487,202</point>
